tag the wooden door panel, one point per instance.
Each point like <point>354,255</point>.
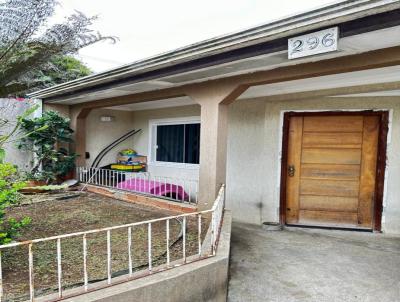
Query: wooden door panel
<point>368,170</point>
<point>333,123</point>
<point>332,140</point>
<point>329,171</point>
<point>324,187</point>
<point>294,156</point>
<point>328,203</point>
<point>323,217</point>
<point>331,156</point>
<point>334,162</point>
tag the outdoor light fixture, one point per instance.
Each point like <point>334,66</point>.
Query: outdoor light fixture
<point>106,119</point>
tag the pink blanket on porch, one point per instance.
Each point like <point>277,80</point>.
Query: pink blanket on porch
<point>154,188</point>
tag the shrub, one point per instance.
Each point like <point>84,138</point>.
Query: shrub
<point>9,187</point>
<point>52,160</point>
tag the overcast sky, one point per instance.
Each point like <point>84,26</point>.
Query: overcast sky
<point>147,28</point>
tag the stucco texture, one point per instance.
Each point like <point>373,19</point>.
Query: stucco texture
<point>253,156</point>
<point>100,134</point>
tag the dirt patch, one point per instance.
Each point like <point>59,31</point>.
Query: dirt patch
<point>86,212</point>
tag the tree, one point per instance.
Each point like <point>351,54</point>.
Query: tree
<point>28,44</point>
<point>62,69</point>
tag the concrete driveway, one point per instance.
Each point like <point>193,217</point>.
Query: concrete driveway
<point>313,265</point>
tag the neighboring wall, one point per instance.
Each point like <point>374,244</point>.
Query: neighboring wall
<point>10,109</point>
<point>254,145</point>
<point>100,134</point>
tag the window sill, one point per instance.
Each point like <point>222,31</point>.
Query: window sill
<point>174,165</point>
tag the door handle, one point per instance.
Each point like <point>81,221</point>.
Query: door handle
<point>291,170</point>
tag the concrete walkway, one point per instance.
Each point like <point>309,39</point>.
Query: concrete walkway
<point>313,265</point>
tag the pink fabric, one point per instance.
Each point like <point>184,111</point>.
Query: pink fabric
<point>154,187</point>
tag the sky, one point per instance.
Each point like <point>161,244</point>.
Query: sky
<point>147,28</point>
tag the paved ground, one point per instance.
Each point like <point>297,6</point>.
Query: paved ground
<point>313,265</point>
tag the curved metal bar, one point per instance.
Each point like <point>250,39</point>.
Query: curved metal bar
<point>109,147</point>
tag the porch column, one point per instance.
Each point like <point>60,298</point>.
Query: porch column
<point>78,124</point>
<point>214,101</point>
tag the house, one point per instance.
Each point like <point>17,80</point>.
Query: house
<point>299,117</point>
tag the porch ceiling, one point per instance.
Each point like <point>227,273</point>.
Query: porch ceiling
<point>395,92</point>
<point>166,103</point>
<point>337,81</point>
<point>350,45</point>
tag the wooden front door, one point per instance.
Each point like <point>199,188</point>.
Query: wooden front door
<point>331,170</point>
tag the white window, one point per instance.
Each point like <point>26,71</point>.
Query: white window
<point>175,141</point>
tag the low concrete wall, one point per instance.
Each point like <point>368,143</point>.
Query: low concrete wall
<point>205,280</point>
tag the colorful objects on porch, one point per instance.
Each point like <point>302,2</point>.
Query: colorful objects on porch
<point>155,188</point>
<point>127,152</point>
<point>128,168</point>
<point>129,160</point>
<point>132,160</point>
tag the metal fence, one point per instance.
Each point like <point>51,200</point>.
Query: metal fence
<point>210,242</point>
<point>180,190</point>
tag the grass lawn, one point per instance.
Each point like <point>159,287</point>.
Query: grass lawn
<point>86,212</point>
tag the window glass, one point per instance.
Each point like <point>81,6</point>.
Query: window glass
<point>192,143</point>
<point>178,143</point>
<point>170,142</point>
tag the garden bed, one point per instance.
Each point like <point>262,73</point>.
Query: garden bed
<point>52,215</point>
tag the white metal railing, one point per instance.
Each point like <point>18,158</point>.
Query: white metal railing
<point>181,190</point>
<point>214,228</point>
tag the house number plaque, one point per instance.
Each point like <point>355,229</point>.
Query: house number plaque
<point>312,44</point>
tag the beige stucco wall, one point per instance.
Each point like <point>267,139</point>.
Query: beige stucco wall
<point>100,134</point>
<point>254,144</point>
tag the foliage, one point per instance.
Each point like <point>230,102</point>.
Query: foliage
<point>10,182</point>
<point>9,187</point>
<point>38,175</point>
<point>28,43</point>
<point>61,70</point>
<point>54,160</point>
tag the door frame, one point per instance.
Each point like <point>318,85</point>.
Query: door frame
<point>380,165</point>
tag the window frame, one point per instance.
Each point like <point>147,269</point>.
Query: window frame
<point>153,140</point>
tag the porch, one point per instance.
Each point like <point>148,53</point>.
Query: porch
<point>312,265</point>
<point>163,140</point>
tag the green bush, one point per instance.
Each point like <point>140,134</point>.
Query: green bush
<point>10,180</point>
<point>52,160</point>
<point>9,187</point>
